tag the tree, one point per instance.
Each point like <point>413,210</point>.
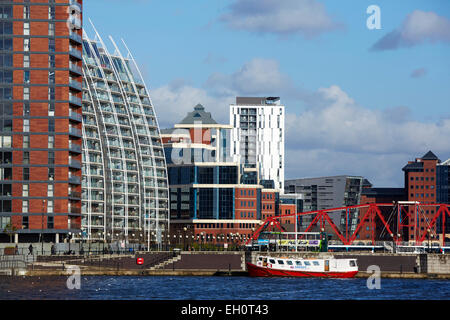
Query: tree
<point>10,230</point>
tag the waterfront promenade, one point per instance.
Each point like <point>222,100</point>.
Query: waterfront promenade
<point>218,263</point>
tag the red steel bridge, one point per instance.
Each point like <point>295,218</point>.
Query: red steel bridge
<point>393,217</point>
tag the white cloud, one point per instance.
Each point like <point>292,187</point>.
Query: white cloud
<point>306,17</point>
<point>334,135</point>
<point>173,101</point>
<point>342,137</point>
<point>258,76</point>
<point>418,27</point>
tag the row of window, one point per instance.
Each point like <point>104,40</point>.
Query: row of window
<point>224,225</point>
<point>247,203</point>
<point>6,174</point>
<point>421,187</point>
<point>245,192</point>
<point>423,178</point>
<point>249,214</point>
<point>26,222</point>
<point>421,195</point>
<point>297,262</point>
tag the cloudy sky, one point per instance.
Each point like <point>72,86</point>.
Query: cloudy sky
<point>359,101</point>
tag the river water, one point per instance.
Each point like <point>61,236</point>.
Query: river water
<point>219,288</point>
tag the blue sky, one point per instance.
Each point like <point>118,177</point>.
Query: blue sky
<point>316,55</point>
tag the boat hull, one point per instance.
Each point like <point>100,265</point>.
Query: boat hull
<point>256,271</point>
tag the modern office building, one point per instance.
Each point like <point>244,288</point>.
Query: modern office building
<point>257,138</point>
<point>212,200</point>
<point>40,119</point>
<point>327,193</point>
<point>124,185</point>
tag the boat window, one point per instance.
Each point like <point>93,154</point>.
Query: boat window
<point>299,263</point>
<point>260,258</point>
<point>316,263</point>
<point>272,261</point>
<point>289,262</point>
<point>352,263</point>
<point>280,262</point>
<point>307,263</point>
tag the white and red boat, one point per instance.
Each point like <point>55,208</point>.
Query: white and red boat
<point>267,266</point>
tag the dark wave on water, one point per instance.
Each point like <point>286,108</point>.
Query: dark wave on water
<point>219,288</point>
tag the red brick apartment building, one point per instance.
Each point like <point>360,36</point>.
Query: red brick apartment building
<point>40,112</point>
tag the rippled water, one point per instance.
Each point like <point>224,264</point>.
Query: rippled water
<point>221,288</point>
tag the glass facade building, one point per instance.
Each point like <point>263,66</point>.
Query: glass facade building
<point>124,185</point>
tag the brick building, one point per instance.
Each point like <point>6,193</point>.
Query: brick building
<point>424,184</point>
<point>40,116</point>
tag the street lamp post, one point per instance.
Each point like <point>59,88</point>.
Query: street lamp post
<point>201,239</point>
<point>184,238</point>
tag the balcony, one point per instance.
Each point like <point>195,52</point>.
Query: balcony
<point>75,53</point>
<point>74,210</point>
<point>75,100</point>
<point>75,132</point>
<point>75,148</point>
<point>74,180</point>
<point>73,195</point>
<point>74,164</point>
<point>75,116</point>
<point>76,37</point>
<point>73,84</point>
<point>75,69</point>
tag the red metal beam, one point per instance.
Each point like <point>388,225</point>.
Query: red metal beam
<point>373,212</point>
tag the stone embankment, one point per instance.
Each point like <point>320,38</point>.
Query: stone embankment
<point>228,263</point>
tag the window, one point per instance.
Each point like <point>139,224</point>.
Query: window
<point>352,263</point>
<point>24,222</point>
<point>316,263</point>
<point>289,262</point>
<point>51,77</point>
<point>50,206</point>
<point>307,263</point>
<point>26,28</point>
<point>280,261</point>
<point>25,189</point>
<point>26,109</point>
<point>51,61</point>
<point>51,29</point>
<point>26,125</point>
<point>51,173</point>
<point>51,142</point>
<point>51,13</point>
<point>25,206</point>
<point>26,93</point>
<point>26,44</point>
<point>51,125</point>
<point>51,109</point>
<point>51,45</point>
<point>26,157</point>
<point>50,222</point>
<point>26,12</point>
<point>299,263</point>
<point>51,157</point>
<point>26,142</point>
<point>26,61</point>
<point>26,174</point>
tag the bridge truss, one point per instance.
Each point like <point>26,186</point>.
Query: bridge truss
<point>401,221</point>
